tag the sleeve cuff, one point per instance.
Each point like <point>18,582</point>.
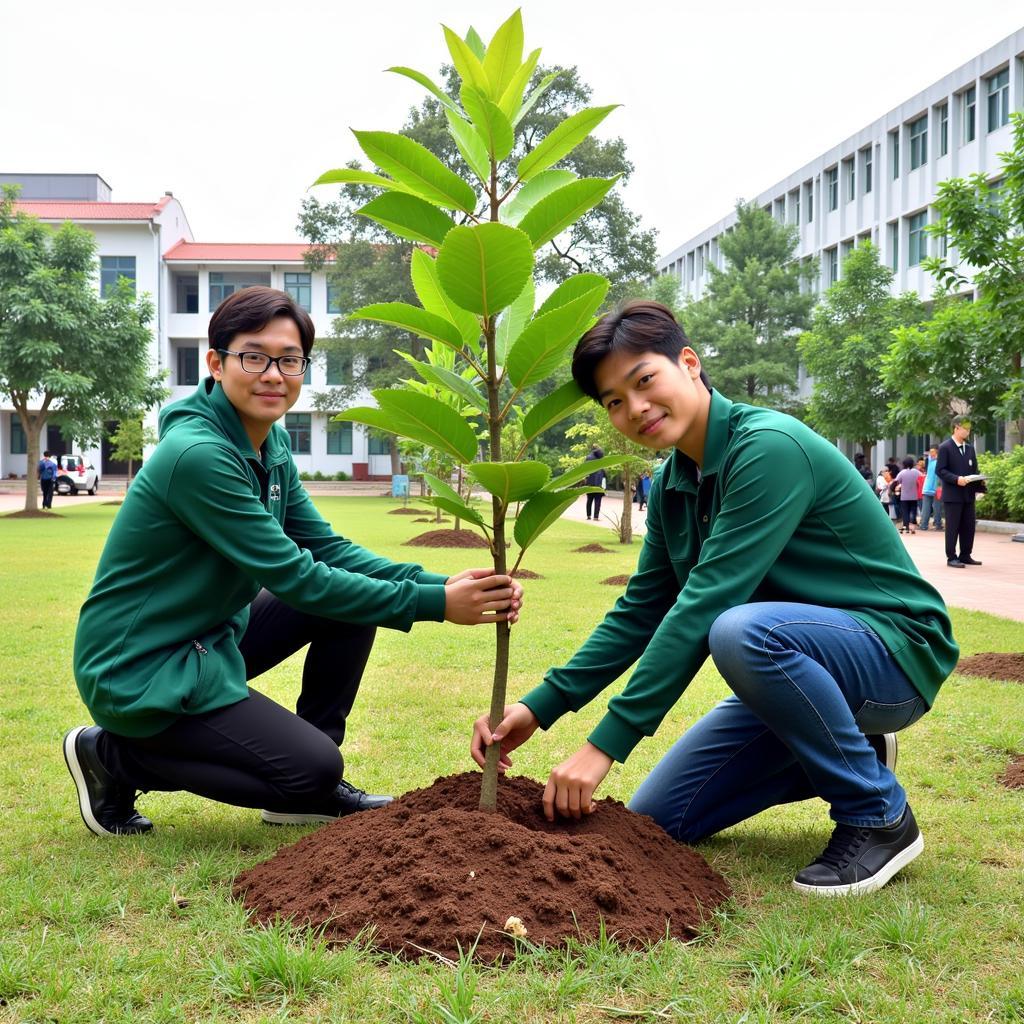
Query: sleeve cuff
<point>430,602</point>
<point>615,737</point>
<point>546,703</point>
<point>434,579</point>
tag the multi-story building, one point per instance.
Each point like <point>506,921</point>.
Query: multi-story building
<point>879,183</point>
<point>151,244</point>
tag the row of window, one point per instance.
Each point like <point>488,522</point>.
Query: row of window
<point>339,436</point>
<point>338,367</point>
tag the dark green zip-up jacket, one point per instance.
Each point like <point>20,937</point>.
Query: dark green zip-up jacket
<point>777,514</point>
<point>204,526</point>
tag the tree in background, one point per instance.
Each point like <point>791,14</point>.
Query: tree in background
<point>65,352</point>
<point>851,332</point>
<point>745,327</point>
<point>983,224</point>
<point>129,440</point>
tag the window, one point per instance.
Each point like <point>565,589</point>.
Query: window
<point>919,142</point>
<point>339,438</point>
<point>894,245</point>
<point>333,301</point>
<point>850,173</point>
<point>943,113</point>
<point>225,283</point>
<point>186,293</point>
<point>188,364</point>
<point>831,266</point>
<point>298,426</point>
<point>300,288</point>
<point>832,184</point>
<point>999,99</point>
<point>970,97</point>
<point>339,369</point>
<point>690,265</point>
<point>114,267</point>
<point>307,377</point>
<point>917,240</point>
<point>810,201</point>
<point>894,152</point>
<point>19,443</point>
<point>379,445</point>
<point>794,207</point>
<point>868,168</point>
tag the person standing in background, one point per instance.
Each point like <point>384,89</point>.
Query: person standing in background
<point>47,473</point>
<point>906,480</point>
<point>931,503</point>
<point>957,461</point>
<point>595,479</point>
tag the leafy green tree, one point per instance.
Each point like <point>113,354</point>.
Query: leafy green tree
<point>851,332</point>
<point>129,440</point>
<point>746,325</point>
<point>477,295</point>
<point>983,224</point>
<point>65,352</point>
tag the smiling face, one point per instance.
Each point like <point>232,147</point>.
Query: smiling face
<point>259,398</point>
<point>654,400</point>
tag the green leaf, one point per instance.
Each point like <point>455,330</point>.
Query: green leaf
<point>504,53</point>
<point>466,62</point>
<point>350,176</point>
<point>584,469</point>
<point>542,88</point>
<point>436,300</point>
<point>447,380</point>
<point>458,508</point>
<point>563,207</point>
<point>533,192</point>
<point>470,145</point>
<point>428,84</point>
<point>483,268</point>
<point>426,419</point>
<point>512,321</point>
<point>512,98</point>
<point>542,345</point>
<point>510,481</point>
<point>475,43</point>
<point>560,141</point>
<point>572,288</point>
<point>490,122</point>
<point>541,511</point>
<point>439,487</point>
<point>369,417</point>
<point>417,168</point>
<point>408,217</point>
<point>411,318</point>
<point>562,402</point>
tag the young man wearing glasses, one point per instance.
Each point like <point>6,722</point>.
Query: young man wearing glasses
<point>217,568</point>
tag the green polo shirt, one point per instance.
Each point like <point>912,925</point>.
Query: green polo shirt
<point>776,514</point>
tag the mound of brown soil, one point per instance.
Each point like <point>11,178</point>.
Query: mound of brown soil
<point>431,871</point>
<point>994,666</point>
<point>1013,777</point>
<point>616,581</point>
<point>408,511</point>
<point>35,514</point>
<point>448,539</point>
<point>526,574</point>
<point>593,549</point>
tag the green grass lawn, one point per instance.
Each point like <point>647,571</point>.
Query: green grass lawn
<point>145,930</point>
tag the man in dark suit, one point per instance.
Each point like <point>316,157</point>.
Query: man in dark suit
<point>957,460</point>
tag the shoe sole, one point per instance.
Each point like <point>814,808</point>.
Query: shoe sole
<point>891,750</point>
<point>78,777</point>
<point>280,818</point>
<point>872,884</point>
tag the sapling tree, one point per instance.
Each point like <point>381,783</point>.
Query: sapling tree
<point>474,278</point>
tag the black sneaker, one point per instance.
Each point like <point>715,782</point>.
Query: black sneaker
<point>861,860</point>
<point>886,747</point>
<point>107,806</point>
<point>346,799</point>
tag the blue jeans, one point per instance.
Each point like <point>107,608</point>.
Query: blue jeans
<point>808,684</point>
<point>931,506</point>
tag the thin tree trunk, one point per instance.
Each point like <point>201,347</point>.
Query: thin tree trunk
<point>32,425</point>
<point>626,519</point>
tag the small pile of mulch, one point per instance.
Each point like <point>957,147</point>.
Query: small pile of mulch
<point>448,539</point>
<point>616,581</point>
<point>112,502</point>
<point>34,514</point>
<point>526,574</point>
<point>593,549</point>
<point>431,872</point>
<point>406,511</point>
<point>1013,777</point>
<point>994,666</point>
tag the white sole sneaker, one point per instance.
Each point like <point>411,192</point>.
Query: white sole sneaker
<point>875,882</point>
<point>78,776</point>
<point>280,818</point>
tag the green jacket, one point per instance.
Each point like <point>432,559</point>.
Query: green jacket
<point>204,526</point>
<point>777,514</point>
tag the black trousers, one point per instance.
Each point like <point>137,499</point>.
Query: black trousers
<point>594,502</point>
<point>961,519</point>
<point>256,753</point>
<point>47,486</point>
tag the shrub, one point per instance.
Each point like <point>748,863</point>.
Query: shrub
<point>1005,498</point>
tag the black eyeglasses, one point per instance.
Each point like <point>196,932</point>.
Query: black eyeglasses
<point>259,362</point>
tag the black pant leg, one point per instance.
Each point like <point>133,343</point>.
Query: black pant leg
<point>337,656</point>
<point>590,505</point>
<point>47,486</point>
<point>954,513</point>
<point>968,524</point>
<point>253,753</point>
<point>597,504</point>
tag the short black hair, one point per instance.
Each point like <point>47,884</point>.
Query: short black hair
<point>251,309</point>
<point>959,421</point>
<point>909,462</point>
<point>47,453</point>
<point>639,325</point>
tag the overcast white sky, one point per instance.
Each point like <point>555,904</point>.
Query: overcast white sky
<point>237,106</point>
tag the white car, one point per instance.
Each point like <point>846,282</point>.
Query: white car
<point>73,475</point>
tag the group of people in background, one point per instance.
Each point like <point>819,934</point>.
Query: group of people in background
<point>911,492</point>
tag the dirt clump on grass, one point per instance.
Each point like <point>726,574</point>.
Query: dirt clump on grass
<point>33,514</point>
<point>526,574</point>
<point>431,871</point>
<point>616,581</point>
<point>407,511</point>
<point>593,549</point>
<point>448,539</point>
<point>994,666</point>
<point>1013,777</point>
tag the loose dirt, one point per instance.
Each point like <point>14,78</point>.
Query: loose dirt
<point>526,574</point>
<point>1013,777</point>
<point>994,666</point>
<point>593,549</point>
<point>616,581</point>
<point>448,539</point>
<point>406,511</point>
<point>37,514</point>
<point>431,872</point>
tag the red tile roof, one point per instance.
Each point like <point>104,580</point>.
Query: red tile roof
<point>237,252</point>
<point>60,209</point>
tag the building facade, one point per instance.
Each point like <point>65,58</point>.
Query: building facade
<point>152,245</point>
